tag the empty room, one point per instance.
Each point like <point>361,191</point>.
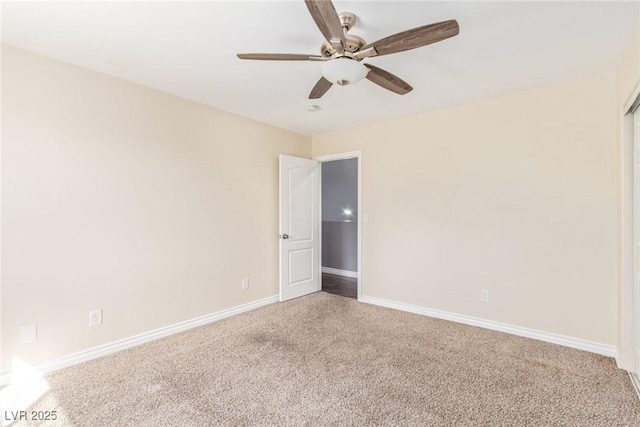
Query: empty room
<point>265,213</point>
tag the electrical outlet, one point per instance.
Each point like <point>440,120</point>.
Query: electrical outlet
<point>28,333</point>
<point>95,318</point>
<point>245,284</point>
<point>484,295</point>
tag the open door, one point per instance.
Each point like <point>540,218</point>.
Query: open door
<point>299,227</point>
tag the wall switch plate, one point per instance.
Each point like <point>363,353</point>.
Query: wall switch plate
<point>365,218</point>
<point>95,318</point>
<point>245,284</point>
<point>28,333</point>
<point>484,295</point>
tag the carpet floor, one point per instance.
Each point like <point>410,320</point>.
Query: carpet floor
<point>328,360</point>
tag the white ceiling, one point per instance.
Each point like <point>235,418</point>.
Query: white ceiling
<point>188,49</point>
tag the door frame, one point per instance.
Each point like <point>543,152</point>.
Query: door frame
<point>343,156</point>
<point>628,351</point>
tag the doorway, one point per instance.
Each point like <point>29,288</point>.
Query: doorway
<point>340,224</point>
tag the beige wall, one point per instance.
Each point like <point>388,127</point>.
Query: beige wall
<point>628,74</point>
<point>515,194</point>
<point>119,197</point>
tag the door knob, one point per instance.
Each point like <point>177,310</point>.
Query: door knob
<point>285,236</point>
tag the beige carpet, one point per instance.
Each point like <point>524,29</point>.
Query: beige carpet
<point>330,360</point>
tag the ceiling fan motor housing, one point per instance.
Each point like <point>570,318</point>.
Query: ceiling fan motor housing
<point>353,43</point>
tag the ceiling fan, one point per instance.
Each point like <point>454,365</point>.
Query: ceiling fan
<point>342,52</point>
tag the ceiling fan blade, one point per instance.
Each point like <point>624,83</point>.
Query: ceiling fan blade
<point>416,37</point>
<point>387,80</point>
<point>327,20</point>
<point>280,57</point>
<point>320,88</point>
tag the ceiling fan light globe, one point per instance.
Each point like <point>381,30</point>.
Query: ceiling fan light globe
<point>344,71</point>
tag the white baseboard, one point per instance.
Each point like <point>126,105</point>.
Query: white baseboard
<point>123,344</point>
<point>590,346</point>
<point>338,272</point>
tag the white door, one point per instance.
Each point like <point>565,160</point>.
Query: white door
<point>299,227</point>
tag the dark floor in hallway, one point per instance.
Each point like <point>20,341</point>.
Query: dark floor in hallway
<point>340,285</point>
